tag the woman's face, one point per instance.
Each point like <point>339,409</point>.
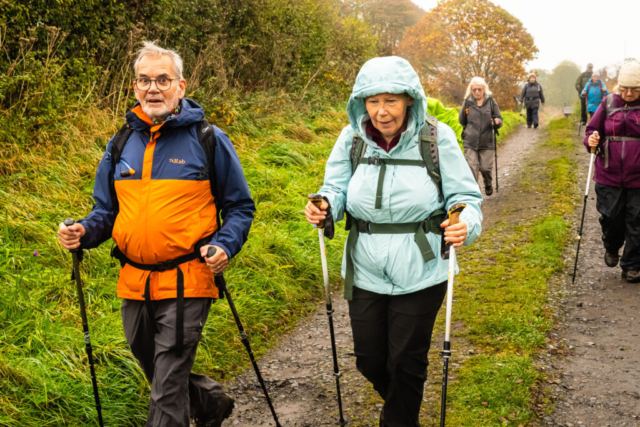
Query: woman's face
<point>595,79</point>
<point>629,94</point>
<point>477,91</point>
<point>387,112</point>
<point>532,79</point>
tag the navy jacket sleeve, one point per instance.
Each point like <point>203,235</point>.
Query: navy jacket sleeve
<point>234,199</point>
<point>99,224</point>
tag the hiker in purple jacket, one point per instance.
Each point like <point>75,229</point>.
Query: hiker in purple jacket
<point>617,171</point>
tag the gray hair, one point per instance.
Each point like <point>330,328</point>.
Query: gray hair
<point>152,49</point>
<point>479,81</point>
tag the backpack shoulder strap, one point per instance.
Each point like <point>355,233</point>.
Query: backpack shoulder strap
<point>358,148</point>
<point>117,146</point>
<point>208,142</point>
<point>429,152</point>
<point>608,106</point>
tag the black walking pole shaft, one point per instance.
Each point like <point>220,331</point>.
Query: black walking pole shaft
<point>575,266</point>
<point>495,147</point>
<point>336,368</point>
<point>446,353</point>
<point>222,285</point>
<point>85,326</point>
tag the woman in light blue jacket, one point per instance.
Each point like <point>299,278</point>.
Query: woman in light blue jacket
<point>594,91</point>
<point>395,274</point>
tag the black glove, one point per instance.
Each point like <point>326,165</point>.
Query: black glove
<point>329,227</point>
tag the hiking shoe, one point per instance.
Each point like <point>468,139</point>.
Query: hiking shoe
<point>632,276</point>
<point>221,413</point>
<point>529,126</point>
<point>535,126</point>
<point>611,259</point>
<point>488,190</point>
<point>583,123</point>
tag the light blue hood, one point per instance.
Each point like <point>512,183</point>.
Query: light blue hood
<point>389,74</point>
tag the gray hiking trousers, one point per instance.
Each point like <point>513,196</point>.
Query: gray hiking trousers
<point>176,393</point>
<point>480,161</point>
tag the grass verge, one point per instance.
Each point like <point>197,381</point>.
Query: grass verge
<point>501,294</point>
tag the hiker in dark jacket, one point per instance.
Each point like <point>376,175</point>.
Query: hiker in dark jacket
<point>617,171</point>
<point>532,96</point>
<point>581,82</point>
<point>159,204</point>
<point>478,115</point>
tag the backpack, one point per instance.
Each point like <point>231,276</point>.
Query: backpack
<point>600,85</point>
<point>207,141</point>
<point>428,152</point>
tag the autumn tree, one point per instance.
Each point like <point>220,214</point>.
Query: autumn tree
<point>388,19</point>
<point>460,39</point>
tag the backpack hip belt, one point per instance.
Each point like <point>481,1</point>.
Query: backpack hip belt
<point>615,139</point>
<point>173,264</point>
<point>420,229</point>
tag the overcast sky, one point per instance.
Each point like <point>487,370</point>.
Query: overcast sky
<point>581,31</point>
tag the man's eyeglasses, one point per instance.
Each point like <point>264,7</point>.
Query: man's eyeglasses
<point>624,89</point>
<point>163,83</point>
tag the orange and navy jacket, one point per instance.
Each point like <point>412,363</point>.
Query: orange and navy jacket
<point>166,206</point>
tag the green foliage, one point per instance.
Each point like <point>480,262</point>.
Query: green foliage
<point>510,122</point>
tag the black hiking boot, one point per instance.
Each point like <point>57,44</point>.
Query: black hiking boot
<point>611,259</point>
<point>488,190</point>
<point>535,126</point>
<point>221,413</point>
<point>632,276</point>
<point>529,126</point>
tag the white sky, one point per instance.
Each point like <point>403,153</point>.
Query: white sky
<point>581,31</point>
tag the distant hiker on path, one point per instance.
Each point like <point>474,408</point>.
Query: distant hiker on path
<point>581,82</point>
<point>162,182</point>
<point>478,115</point>
<point>617,171</point>
<point>395,275</point>
<point>532,96</point>
<point>594,92</point>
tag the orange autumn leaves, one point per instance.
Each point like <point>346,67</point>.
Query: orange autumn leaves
<point>459,39</point>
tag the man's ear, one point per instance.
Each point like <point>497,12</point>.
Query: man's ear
<point>183,87</point>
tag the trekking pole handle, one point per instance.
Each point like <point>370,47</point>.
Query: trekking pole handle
<point>211,252</point>
<point>593,149</point>
<point>69,222</point>
<point>316,200</point>
<point>454,213</point>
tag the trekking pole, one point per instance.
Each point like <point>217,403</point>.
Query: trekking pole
<point>495,147</point>
<point>222,286</point>
<point>454,218</point>
<point>76,253</point>
<point>316,199</point>
<point>584,207</point>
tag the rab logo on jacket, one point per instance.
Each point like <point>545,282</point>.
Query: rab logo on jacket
<point>177,161</point>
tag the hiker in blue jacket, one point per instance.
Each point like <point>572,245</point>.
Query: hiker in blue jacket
<point>594,92</point>
<point>395,275</point>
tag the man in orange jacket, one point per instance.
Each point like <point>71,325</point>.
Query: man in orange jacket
<point>159,199</point>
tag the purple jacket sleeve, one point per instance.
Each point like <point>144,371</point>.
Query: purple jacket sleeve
<point>596,124</point>
<point>235,202</point>
<point>99,224</point>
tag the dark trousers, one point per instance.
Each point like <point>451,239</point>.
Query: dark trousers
<point>532,116</point>
<point>392,336</point>
<point>176,393</point>
<point>583,109</point>
<point>620,220</point>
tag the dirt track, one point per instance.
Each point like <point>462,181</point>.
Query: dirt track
<point>299,369</point>
<point>599,380</point>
